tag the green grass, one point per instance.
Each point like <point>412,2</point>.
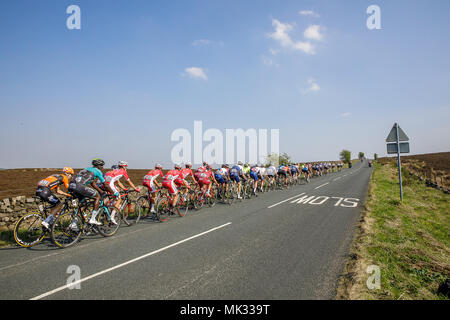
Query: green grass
<point>6,238</point>
<point>408,240</point>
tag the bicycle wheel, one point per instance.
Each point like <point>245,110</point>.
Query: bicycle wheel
<point>29,230</point>
<point>142,208</point>
<point>108,228</point>
<point>162,208</point>
<point>67,229</point>
<point>129,213</point>
<point>199,200</point>
<point>229,196</point>
<point>212,199</point>
<point>182,205</point>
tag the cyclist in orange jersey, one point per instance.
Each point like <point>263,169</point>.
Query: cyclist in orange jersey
<point>47,186</point>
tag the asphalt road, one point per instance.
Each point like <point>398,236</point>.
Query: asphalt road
<point>282,245</point>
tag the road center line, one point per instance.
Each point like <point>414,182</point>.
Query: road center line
<point>285,200</point>
<point>321,186</point>
<point>126,263</point>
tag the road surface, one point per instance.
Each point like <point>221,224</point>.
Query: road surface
<point>282,245</point>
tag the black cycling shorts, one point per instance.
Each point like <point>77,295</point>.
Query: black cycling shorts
<point>81,191</point>
<point>47,195</point>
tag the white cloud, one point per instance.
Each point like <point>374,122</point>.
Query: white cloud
<point>313,32</point>
<point>346,114</point>
<point>281,34</point>
<point>308,13</point>
<point>313,87</point>
<point>196,73</point>
<point>306,47</point>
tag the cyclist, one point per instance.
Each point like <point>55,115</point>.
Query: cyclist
<point>262,175</point>
<point>294,170</point>
<point>186,172</point>
<point>45,189</point>
<point>236,173</point>
<point>169,183</point>
<point>78,186</point>
<point>204,179</point>
<point>114,176</point>
<point>222,177</point>
<point>150,181</point>
<point>271,173</point>
<point>283,171</point>
<point>254,172</point>
<point>305,170</point>
<point>201,170</point>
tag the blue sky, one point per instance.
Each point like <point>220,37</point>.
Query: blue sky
<point>137,70</point>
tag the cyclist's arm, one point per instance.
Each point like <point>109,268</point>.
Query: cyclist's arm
<point>132,185</point>
<point>121,185</point>
<point>59,191</point>
<point>100,191</point>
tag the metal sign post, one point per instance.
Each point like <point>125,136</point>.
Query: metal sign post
<point>396,135</point>
<point>399,164</point>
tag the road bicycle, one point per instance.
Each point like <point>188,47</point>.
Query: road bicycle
<point>164,208</point>
<point>71,225</point>
<point>127,210</point>
<point>144,204</point>
<point>201,197</point>
<point>248,189</point>
<point>29,231</point>
<point>281,183</point>
<point>226,192</point>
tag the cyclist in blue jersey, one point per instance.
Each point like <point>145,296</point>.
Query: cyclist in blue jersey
<point>78,186</point>
<point>222,176</point>
<point>236,173</point>
<point>294,170</point>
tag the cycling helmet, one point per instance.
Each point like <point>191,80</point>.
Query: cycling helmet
<point>188,164</point>
<point>68,170</point>
<point>158,166</point>
<point>123,163</point>
<point>240,163</point>
<point>205,164</point>
<point>98,162</point>
<point>177,166</point>
<point>115,167</point>
<point>246,165</point>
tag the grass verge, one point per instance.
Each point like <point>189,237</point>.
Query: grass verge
<point>409,241</point>
<point>6,238</point>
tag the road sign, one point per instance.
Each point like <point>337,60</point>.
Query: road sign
<point>392,148</point>
<point>392,137</point>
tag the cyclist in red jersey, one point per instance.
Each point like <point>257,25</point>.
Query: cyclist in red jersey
<point>186,172</point>
<point>150,181</point>
<point>204,178</point>
<point>169,183</point>
<point>114,176</point>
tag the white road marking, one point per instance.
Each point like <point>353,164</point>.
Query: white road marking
<point>126,263</point>
<point>285,200</point>
<point>337,178</point>
<point>321,186</point>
